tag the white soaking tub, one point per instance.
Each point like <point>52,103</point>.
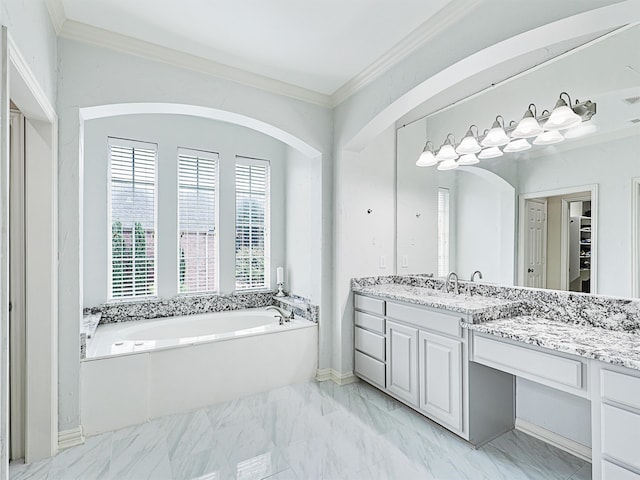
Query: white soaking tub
<point>135,371</point>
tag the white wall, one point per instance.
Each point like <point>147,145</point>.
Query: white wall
<point>31,29</point>
<point>364,181</point>
<point>91,76</point>
<point>611,165</point>
<point>417,205</point>
<point>170,132</point>
<point>299,215</point>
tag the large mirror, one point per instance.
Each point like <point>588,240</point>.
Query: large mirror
<point>562,215</point>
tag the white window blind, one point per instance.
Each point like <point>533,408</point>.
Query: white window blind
<point>443,232</point>
<point>132,169</point>
<point>252,223</point>
<point>197,219</point>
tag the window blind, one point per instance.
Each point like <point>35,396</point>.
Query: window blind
<point>132,169</point>
<point>252,223</point>
<point>197,219</point>
<point>443,232</point>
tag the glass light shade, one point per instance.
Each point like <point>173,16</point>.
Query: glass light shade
<point>448,164</point>
<point>446,153</point>
<point>527,128</point>
<point>562,117</point>
<point>548,138</point>
<point>581,130</point>
<point>426,159</point>
<point>491,152</point>
<point>468,159</point>
<point>517,145</point>
<point>469,144</point>
<point>495,138</point>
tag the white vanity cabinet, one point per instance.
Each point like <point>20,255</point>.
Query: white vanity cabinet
<point>616,423</point>
<point>426,366</point>
<point>440,373</point>
<point>402,361</point>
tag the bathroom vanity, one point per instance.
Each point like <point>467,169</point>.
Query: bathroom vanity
<point>454,358</point>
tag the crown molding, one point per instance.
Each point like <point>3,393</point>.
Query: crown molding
<point>56,12</point>
<point>439,22</point>
<point>85,33</point>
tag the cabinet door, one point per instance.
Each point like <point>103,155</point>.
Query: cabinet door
<point>402,362</point>
<point>440,371</point>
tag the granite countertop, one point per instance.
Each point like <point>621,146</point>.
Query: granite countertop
<point>610,346</point>
<point>470,305</point>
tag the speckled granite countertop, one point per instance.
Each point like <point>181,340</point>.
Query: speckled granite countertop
<point>610,346</point>
<point>486,307</point>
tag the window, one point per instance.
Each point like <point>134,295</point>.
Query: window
<point>197,219</point>
<point>443,232</point>
<point>132,169</point>
<point>252,223</point>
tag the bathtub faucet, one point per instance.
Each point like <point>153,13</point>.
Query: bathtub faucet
<point>283,314</point>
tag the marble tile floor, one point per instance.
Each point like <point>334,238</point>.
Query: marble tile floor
<point>305,431</point>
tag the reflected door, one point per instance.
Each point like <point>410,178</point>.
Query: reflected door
<point>536,243</point>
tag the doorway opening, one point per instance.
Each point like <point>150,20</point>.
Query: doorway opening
<point>557,239</point>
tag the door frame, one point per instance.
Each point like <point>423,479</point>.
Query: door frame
<point>41,258</point>
<point>570,193</point>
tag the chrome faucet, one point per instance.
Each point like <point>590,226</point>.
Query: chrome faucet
<point>456,289</point>
<point>283,314</point>
<point>471,280</point>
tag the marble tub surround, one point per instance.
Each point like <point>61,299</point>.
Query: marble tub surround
<point>125,311</point>
<point>301,307</point>
<point>615,347</point>
<point>486,308</point>
<point>612,313</point>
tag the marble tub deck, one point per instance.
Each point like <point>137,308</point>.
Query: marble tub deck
<point>306,431</point>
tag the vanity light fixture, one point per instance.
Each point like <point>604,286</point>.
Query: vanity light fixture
<point>469,143</point>
<point>468,159</point>
<point>548,138</point>
<point>574,120</point>
<point>449,164</point>
<point>562,116</point>
<point>427,157</point>
<point>491,152</point>
<point>447,152</point>
<point>496,136</point>
<point>528,126</point>
<point>517,145</point>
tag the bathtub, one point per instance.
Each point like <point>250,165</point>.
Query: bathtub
<point>136,371</point>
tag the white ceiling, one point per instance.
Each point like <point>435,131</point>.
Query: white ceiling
<point>315,44</point>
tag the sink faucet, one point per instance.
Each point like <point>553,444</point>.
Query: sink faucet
<point>471,280</point>
<point>454,276</point>
<point>283,314</point>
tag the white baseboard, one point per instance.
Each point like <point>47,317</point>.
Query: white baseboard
<point>70,438</point>
<point>552,438</point>
<point>324,374</point>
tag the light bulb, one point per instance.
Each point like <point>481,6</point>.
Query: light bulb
<point>517,145</point>
<point>427,158</point>
<point>449,164</point>
<point>468,159</point>
<point>446,153</point>
<point>562,116</point>
<point>528,126</point>
<point>491,152</point>
<point>469,143</point>
<point>548,138</point>
<point>496,137</point>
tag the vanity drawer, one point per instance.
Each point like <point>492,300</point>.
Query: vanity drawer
<point>368,304</point>
<point>621,435</point>
<point>370,369</point>
<point>446,323</point>
<point>370,343</point>
<point>375,324</point>
<point>620,388</point>
<point>611,471</point>
<point>525,362</point>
